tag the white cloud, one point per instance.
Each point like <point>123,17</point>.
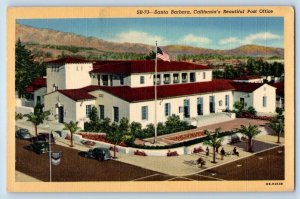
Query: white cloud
<point>263,36</point>
<point>256,38</point>
<point>230,40</point>
<point>139,37</point>
<point>195,40</point>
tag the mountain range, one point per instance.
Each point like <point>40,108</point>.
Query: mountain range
<point>48,44</point>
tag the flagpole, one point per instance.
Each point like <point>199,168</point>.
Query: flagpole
<point>155,95</point>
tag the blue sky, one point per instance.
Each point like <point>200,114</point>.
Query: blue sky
<point>214,33</point>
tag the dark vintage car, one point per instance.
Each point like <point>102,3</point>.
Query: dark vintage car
<point>98,153</point>
<point>234,139</point>
<point>44,137</point>
<point>23,134</point>
<point>39,147</point>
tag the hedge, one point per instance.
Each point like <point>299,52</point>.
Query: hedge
<point>181,144</point>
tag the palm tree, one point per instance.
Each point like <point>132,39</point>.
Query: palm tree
<point>213,141</point>
<point>250,131</point>
<point>72,127</point>
<point>37,117</point>
<point>277,125</point>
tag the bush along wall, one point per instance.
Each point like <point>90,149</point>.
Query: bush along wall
<point>181,144</point>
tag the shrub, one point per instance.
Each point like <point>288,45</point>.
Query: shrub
<point>128,139</point>
<point>172,153</point>
<point>251,110</point>
<point>141,153</point>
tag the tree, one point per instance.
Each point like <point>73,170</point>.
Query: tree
<point>150,56</point>
<point>277,125</point>
<point>250,131</point>
<point>213,141</point>
<point>37,117</point>
<point>26,69</point>
<point>94,124</point>
<point>72,127</point>
<point>218,74</point>
<point>115,135</point>
<point>105,125</point>
<point>136,128</point>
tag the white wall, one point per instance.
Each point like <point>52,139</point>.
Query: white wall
<point>255,98</point>
<point>68,76</point>
<point>40,92</point>
<point>77,75</point>
<point>55,75</point>
<point>258,80</point>
<point>109,101</point>
<point>270,93</point>
<point>136,115</point>
<point>73,111</point>
<point>248,98</point>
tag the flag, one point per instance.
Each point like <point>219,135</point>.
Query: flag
<point>162,55</point>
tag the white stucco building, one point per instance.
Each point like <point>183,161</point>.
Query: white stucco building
<point>126,89</point>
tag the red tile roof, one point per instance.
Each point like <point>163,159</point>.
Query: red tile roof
<point>68,60</point>
<point>279,88</point>
<point>144,66</point>
<point>246,87</point>
<point>77,94</point>
<point>165,91</point>
<point>36,84</point>
<point>247,77</point>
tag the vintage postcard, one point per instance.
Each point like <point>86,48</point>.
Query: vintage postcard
<point>150,99</point>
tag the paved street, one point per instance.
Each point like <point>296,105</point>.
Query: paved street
<point>265,165</point>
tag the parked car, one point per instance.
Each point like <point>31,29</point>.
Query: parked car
<point>40,147</point>
<point>234,139</point>
<point>23,134</point>
<point>97,153</point>
<point>44,137</point>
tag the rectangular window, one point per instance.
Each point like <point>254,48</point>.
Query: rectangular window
<point>264,101</point>
<point>116,114</point>
<point>98,78</point>
<point>204,75</point>
<point>192,77</point>
<point>38,99</point>
<point>175,78</point>
<point>226,100</point>
<point>144,112</point>
<point>166,78</point>
<point>167,109</point>
<point>142,79</point>
<point>105,80</point>
<point>88,109</point>
<point>200,105</point>
<point>212,104</point>
<point>101,111</point>
<point>186,108</point>
<point>121,80</point>
<point>184,77</point>
<point>157,79</point>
